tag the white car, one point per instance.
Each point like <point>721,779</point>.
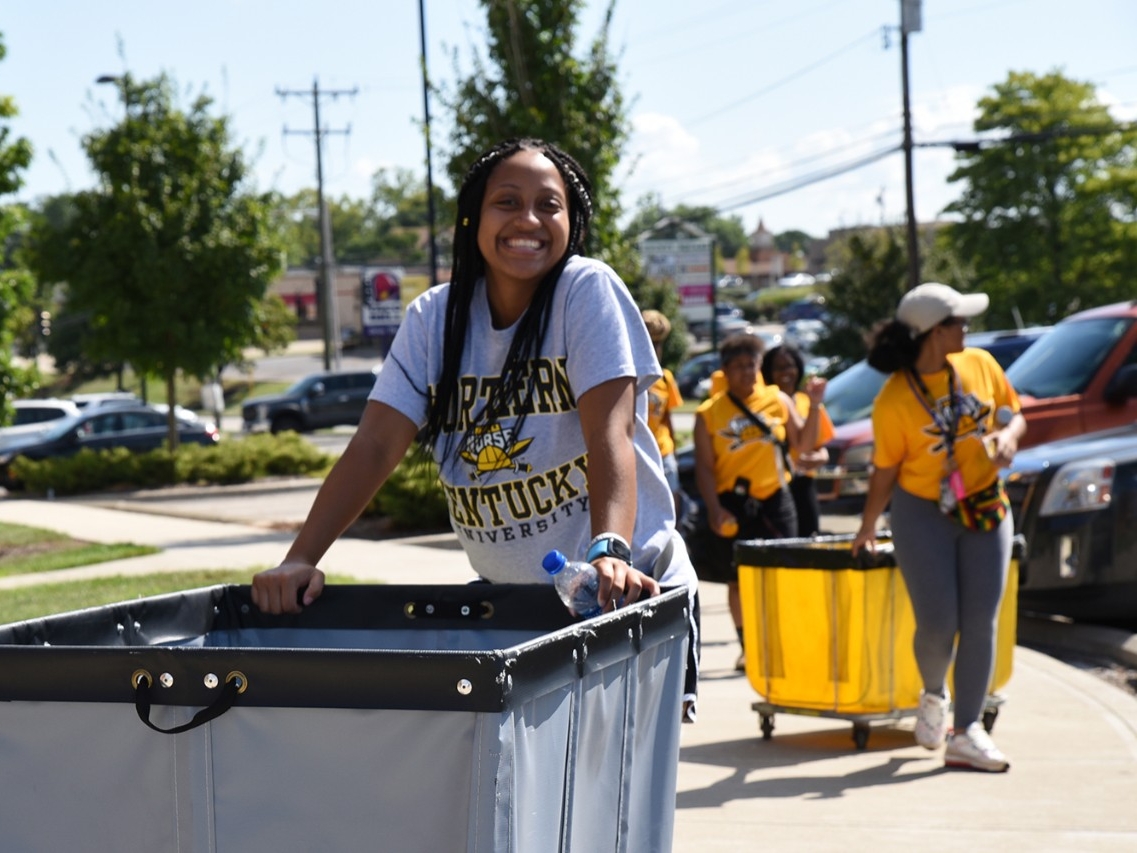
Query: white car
<point>34,416</point>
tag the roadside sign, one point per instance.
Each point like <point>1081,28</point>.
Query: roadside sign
<point>686,265</point>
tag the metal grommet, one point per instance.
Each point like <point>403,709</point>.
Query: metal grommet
<point>138,676</point>
<point>465,687</point>
<point>166,679</point>
<point>487,610</point>
<point>238,677</point>
<point>465,610</point>
<point>409,610</point>
<point>210,681</point>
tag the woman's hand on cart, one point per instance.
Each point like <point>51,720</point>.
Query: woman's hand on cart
<point>288,588</point>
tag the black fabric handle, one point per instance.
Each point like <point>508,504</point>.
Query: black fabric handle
<point>223,703</point>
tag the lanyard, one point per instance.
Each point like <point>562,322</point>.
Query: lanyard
<point>948,424</point>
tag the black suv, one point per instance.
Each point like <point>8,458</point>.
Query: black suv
<point>318,400</point>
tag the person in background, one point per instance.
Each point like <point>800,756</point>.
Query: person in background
<point>944,422</point>
<point>662,398</point>
<point>527,376</point>
<point>784,367</point>
<point>743,439</point>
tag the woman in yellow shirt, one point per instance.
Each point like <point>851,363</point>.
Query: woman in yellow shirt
<point>944,423</point>
<point>662,398</point>
<point>743,439</point>
<point>784,367</point>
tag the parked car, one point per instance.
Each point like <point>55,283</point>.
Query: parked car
<point>137,428</point>
<point>106,398</point>
<point>807,308</point>
<point>1082,376</point>
<point>849,399</point>
<point>1075,502</point>
<point>317,401</point>
<point>693,371</point>
<point>32,417</point>
<point>804,334</point>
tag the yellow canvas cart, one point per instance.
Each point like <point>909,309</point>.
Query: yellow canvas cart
<point>830,635</point>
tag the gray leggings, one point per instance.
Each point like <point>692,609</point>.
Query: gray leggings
<point>955,578</point>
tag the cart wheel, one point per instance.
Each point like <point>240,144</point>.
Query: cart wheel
<point>767,726</point>
<point>989,717</point>
<point>861,735</point>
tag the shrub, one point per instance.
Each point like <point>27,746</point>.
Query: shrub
<point>412,498</point>
<point>225,463</point>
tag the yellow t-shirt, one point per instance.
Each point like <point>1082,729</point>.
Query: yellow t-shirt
<point>662,397</point>
<point>905,434</point>
<point>824,425</point>
<point>741,448</point>
<point>718,382</point>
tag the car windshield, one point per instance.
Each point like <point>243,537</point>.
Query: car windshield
<point>849,395</point>
<point>1063,361</point>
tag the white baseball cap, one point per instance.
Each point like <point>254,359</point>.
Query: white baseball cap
<point>927,305</point>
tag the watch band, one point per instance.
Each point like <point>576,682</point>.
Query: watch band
<point>609,545</point>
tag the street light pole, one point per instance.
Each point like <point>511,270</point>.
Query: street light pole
<point>426,133</point>
<point>123,84</point>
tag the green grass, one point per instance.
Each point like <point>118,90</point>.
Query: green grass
<point>31,602</point>
<point>29,550</point>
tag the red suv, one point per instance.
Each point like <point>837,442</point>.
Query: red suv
<point>849,401</point>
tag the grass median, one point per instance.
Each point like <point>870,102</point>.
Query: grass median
<point>31,550</point>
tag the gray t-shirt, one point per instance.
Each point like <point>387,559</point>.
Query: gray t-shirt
<point>515,496</point>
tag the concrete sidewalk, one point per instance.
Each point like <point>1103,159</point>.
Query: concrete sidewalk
<point>1072,738</point>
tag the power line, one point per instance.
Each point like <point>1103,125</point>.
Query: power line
<point>787,79</point>
<point>807,180</point>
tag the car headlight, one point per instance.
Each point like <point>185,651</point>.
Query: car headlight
<point>859,457</point>
<point>1082,486</point>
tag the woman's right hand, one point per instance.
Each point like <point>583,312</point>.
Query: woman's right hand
<point>724,524</point>
<point>278,590</point>
<point>865,536</point>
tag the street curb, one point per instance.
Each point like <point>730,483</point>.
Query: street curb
<point>1093,640</point>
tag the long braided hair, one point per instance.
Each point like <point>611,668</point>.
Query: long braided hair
<point>516,384</point>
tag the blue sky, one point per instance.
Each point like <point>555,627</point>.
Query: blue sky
<point>729,99</point>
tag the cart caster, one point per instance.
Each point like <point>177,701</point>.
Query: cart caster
<point>989,717</point>
<point>767,726</point>
<point>861,735</point>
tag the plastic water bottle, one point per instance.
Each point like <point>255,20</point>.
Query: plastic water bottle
<point>577,584</point>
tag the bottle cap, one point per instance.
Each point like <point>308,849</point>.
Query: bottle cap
<point>554,561</point>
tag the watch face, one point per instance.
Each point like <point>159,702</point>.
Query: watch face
<point>619,550</point>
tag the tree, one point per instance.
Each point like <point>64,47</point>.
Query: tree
<point>16,284</point>
<point>387,227</point>
<point>1047,216</point>
<point>533,83</point>
<point>170,256</point>
<point>728,231</point>
<point>873,275</point>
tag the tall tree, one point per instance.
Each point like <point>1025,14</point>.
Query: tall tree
<point>16,284</point>
<point>534,82</point>
<point>171,254</point>
<point>1047,216</point>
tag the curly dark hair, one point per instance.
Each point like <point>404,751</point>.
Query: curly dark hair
<point>516,383</point>
<point>893,347</point>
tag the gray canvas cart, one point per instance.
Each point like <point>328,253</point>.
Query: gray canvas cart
<point>387,718</point>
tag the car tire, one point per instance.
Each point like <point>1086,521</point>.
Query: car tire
<point>286,422</point>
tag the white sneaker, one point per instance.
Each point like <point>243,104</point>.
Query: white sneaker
<point>931,720</point>
<point>975,750</point>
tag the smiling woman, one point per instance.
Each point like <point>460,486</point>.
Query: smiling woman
<point>526,378</point>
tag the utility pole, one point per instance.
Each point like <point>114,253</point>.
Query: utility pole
<point>426,133</point>
<point>326,284</point>
<point>909,23</point>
